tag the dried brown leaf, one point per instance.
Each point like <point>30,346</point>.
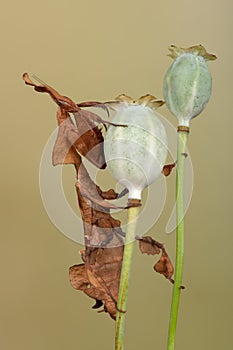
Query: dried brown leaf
<point>88,144</point>
<point>99,277</point>
<point>62,101</point>
<point>99,274</point>
<point>63,151</point>
<point>151,247</point>
<point>95,197</point>
<point>111,194</point>
<point>95,210</point>
<point>164,266</point>
<point>85,135</point>
<point>148,245</point>
<point>104,246</point>
<point>167,169</point>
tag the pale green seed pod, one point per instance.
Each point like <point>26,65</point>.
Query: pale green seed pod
<point>136,154</point>
<point>187,82</point>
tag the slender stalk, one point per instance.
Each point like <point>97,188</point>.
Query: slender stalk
<point>181,155</point>
<point>125,274</point>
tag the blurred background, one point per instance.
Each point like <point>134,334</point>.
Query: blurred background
<point>95,50</point>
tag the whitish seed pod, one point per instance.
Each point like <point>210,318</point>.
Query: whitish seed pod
<point>136,154</point>
<point>187,82</point>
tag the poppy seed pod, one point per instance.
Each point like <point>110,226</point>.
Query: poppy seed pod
<point>136,153</point>
<point>187,82</point>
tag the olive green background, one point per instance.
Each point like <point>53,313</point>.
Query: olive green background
<point>95,50</point>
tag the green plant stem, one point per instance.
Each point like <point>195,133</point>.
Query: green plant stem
<point>125,274</point>
<point>181,155</point>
